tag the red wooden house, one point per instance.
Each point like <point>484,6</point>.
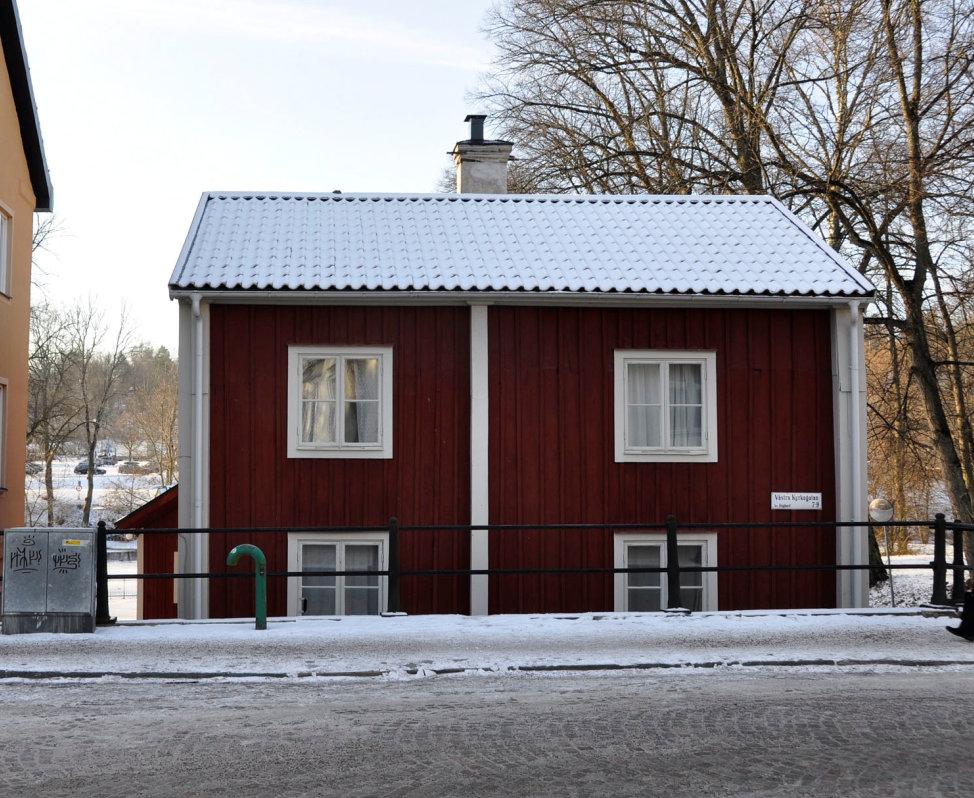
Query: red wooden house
<point>480,358</point>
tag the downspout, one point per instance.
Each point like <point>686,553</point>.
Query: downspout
<point>855,423</point>
<point>197,452</point>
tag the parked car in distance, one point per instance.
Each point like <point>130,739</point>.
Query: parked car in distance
<point>133,467</point>
<point>106,459</point>
<point>34,468</point>
<point>82,468</point>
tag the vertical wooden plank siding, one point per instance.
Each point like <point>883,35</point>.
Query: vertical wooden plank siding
<point>254,484</point>
<point>551,448</point>
<point>552,460</point>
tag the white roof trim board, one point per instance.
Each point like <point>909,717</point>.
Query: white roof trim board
<point>683,245</point>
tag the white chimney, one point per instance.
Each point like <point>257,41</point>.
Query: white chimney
<point>481,164</point>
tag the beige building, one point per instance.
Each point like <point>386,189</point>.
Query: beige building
<point>24,188</point>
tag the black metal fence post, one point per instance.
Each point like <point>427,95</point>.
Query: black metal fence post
<point>393,604</point>
<point>957,589</point>
<point>102,618</point>
<point>672,565</point>
<point>939,595</point>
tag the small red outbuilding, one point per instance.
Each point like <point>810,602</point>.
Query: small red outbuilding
<point>156,552</point>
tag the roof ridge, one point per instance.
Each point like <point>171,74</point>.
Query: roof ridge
<point>452,197</point>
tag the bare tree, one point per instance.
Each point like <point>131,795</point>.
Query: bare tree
<point>623,96</point>
<point>903,466</point>
<point>54,409</point>
<point>100,359</point>
<point>922,132</point>
<point>857,113</point>
<point>126,430</point>
<point>149,409</point>
<point>46,229</point>
<point>158,421</point>
<point>86,380</point>
<point>123,496</point>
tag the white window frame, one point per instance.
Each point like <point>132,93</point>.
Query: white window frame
<point>4,385</point>
<point>295,540</point>
<point>296,448</point>
<point>706,540</point>
<point>6,251</point>
<point>707,453</point>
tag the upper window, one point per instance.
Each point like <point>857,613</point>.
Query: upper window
<point>340,402</point>
<point>5,253</point>
<point>665,406</point>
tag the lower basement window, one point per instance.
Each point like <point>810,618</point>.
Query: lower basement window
<point>647,592</point>
<point>322,594</point>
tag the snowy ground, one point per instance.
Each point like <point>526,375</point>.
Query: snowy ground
<point>405,646</point>
<point>753,732</point>
<point>911,588</point>
<point>123,593</point>
<point>114,494</point>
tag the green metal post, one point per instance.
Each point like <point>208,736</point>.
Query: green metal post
<point>260,577</point>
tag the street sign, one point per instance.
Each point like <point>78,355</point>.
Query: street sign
<point>796,500</point>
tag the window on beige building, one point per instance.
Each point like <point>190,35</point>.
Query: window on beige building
<point>5,253</point>
<point>3,432</point>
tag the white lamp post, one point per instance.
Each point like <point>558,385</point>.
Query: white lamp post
<point>881,511</point>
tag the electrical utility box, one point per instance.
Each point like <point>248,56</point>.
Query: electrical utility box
<point>49,580</point>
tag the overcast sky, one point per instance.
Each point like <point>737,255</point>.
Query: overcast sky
<point>144,104</point>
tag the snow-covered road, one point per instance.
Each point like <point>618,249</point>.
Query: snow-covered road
<point>703,732</point>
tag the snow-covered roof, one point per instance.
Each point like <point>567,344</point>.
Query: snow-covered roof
<point>737,245</point>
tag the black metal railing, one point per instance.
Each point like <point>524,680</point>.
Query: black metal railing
<point>394,573</point>
<point>673,570</point>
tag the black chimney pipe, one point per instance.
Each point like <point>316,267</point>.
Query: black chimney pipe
<point>476,126</point>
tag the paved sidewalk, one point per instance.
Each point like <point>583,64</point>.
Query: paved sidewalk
<point>406,646</point>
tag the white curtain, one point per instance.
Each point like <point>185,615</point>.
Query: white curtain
<point>644,405</point>
<point>362,400</point>
<point>686,405</point>
<point>318,400</point>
